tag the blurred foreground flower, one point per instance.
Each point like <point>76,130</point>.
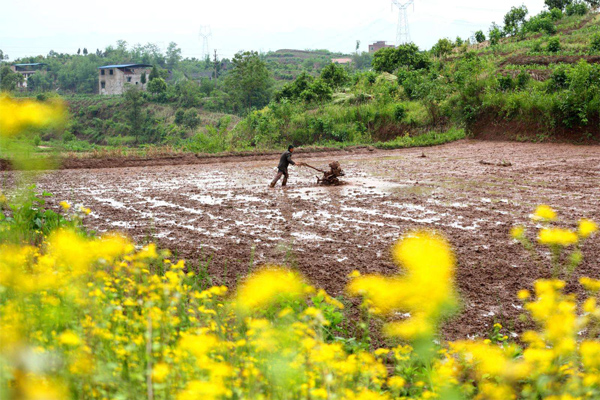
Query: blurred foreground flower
<point>426,291</point>
<point>271,285</point>
<point>544,213</point>
<point>19,115</point>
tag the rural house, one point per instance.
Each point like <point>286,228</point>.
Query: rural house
<point>342,61</point>
<point>27,70</point>
<point>373,48</point>
<point>113,78</point>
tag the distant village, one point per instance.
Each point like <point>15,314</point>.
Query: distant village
<point>114,79</point>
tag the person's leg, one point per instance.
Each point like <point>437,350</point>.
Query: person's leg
<point>277,177</point>
<point>285,178</point>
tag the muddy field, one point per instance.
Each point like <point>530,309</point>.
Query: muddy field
<point>225,212</point>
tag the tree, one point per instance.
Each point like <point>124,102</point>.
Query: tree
<point>191,119</point>
<point>408,55</point>
<point>334,75</point>
<point>173,55</point>
<point>514,19</point>
<point>442,47</point>
<point>179,116</point>
<point>496,34</point>
<point>9,80</point>
<point>133,111</point>
<point>157,86</point>
<point>560,4</point>
<point>153,74</point>
<point>143,79</point>
<point>249,81</point>
<point>79,51</point>
<point>85,51</point>
<point>3,56</point>
<point>480,36</point>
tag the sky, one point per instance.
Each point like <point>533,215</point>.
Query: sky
<point>260,25</point>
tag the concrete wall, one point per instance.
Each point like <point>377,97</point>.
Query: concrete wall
<point>120,78</point>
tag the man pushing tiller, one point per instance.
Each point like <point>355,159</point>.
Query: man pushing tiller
<point>282,168</point>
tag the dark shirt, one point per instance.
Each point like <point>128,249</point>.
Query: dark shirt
<point>285,160</point>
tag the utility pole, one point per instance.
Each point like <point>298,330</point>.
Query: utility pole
<point>215,64</point>
<point>403,32</point>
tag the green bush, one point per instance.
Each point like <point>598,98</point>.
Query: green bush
<point>191,119</point>
<point>399,112</point>
<point>506,83</point>
<point>480,36</point>
<point>558,79</point>
<point>556,14</point>
<point>68,137</point>
<point>595,42</point>
<point>179,116</point>
<point>523,79</point>
<point>577,8</point>
<point>553,45</point>
<point>540,23</point>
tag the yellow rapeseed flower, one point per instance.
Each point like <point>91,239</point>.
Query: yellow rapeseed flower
<point>544,213</point>
<point>590,354</point>
<point>517,232</point>
<point>523,294</point>
<point>592,285</point>
<point>18,115</point>
<point>65,205</point>
<point>586,228</point>
<point>269,286</point>
<point>69,338</point>
<point>557,237</point>
<point>160,372</point>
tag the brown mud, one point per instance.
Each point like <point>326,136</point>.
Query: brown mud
<point>225,212</point>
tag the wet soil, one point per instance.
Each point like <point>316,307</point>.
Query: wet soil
<point>225,214</point>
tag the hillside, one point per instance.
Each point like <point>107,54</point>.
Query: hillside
<point>535,79</point>
<point>538,79</point>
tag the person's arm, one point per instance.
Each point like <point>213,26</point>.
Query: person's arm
<point>289,159</point>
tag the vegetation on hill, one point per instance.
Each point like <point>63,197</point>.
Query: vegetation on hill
<point>534,78</point>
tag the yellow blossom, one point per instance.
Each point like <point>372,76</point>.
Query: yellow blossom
<point>557,237</point>
<point>268,286</point>
<point>160,372</point>
<point>517,232</point>
<point>65,205</point>
<point>586,228</point>
<point>544,213</point>
<point>19,115</point>
<point>69,338</point>
<point>523,294</point>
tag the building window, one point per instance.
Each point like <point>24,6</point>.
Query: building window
<point>102,85</point>
<point>136,83</point>
<point>101,72</point>
<point>110,71</point>
<point>128,79</point>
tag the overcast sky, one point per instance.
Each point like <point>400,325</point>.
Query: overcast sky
<point>38,26</point>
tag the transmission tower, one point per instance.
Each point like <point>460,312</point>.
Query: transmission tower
<point>403,34</point>
<point>205,34</point>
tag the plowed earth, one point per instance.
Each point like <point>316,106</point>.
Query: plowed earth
<point>224,212</point>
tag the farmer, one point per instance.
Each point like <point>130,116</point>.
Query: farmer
<point>282,168</point>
